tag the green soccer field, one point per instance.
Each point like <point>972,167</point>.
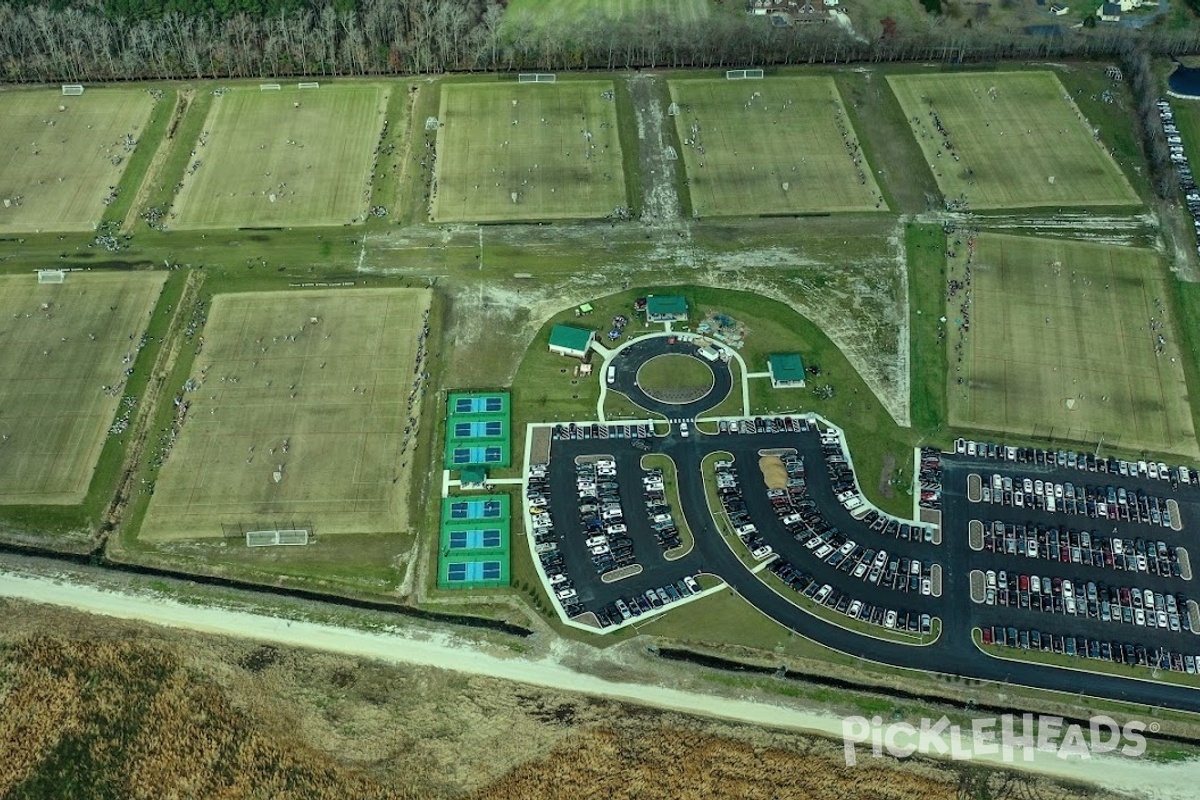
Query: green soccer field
<point>262,160</point>
<point>325,405</point>
<point>65,349</point>
<point>59,155</point>
<point>774,146</point>
<point>552,147</point>
<point>1019,141</point>
<point>1060,343</point>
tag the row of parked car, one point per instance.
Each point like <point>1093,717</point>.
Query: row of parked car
<point>1097,502</point>
<point>734,505</point>
<point>844,603</point>
<point>801,517</point>
<point>545,540</point>
<point>601,516</point>
<point>1187,181</point>
<point>662,521</point>
<point>845,487</point>
<point>764,425</point>
<point>1084,647</point>
<point>595,430</point>
<point>929,478</point>
<point>904,531</point>
<point>1129,605</point>
<point>1088,462</point>
<point>627,608</point>
<point>1083,547</point>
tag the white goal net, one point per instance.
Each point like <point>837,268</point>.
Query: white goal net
<point>51,275</point>
<point>269,87</point>
<point>537,77</point>
<point>72,89</point>
<point>743,74</point>
<point>280,537</point>
<point>308,85</point>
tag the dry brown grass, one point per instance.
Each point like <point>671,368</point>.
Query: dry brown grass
<point>99,708</point>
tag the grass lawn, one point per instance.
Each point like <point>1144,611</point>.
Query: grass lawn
<point>540,12</point>
<point>926,249</point>
<point>554,146</point>
<point>335,391</point>
<point>63,366</point>
<point>776,146</point>
<point>674,371</point>
<point>1060,344</point>
<point>61,154</point>
<point>1020,141</point>
<point>288,157</point>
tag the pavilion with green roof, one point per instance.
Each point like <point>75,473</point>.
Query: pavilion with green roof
<point>786,370</point>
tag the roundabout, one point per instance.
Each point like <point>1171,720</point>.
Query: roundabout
<point>675,378</point>
<point>666,375</point>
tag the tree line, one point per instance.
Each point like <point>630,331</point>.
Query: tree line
<point>101,40</point>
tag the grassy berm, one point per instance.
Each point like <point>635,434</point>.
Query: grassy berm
<point>98,708</point>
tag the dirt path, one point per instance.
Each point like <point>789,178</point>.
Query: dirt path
<point>1142,778</point>
<point>660,199</point>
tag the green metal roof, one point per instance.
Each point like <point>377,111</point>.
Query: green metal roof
<point>666,305</point>
<point>569,337</point>
<point>786,367</point>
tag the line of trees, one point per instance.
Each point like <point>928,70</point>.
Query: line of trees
<point>98,40</point>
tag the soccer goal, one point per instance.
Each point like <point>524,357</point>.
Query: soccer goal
<point>742,74</point>
<point>52,275</point>
<point>72,89</point>
<point>308,85</point>
<point>269,87</point>
<point>673,110</point>
<point>279,537</point>
<point>537,77</point>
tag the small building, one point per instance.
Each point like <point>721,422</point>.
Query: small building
<point>786,370</point>
<point>567,340</point>
<point>666,308</point>
<point>1110,12</point>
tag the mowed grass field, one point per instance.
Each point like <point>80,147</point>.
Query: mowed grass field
<point>60,346</point>
<point>1060,337</point>
<point>539,12</point>
<point>336,392</point>
<point>554,145</point>
<point>315,161</point>
<point>1020,141</point>
<point>774,146</point>
<point>56,167</point>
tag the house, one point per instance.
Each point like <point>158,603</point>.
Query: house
<point>567,340</point>
<point>786,370</point>
<point>666,308</point>
<point>1110,12</point>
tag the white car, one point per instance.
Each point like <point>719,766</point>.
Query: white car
<point>855,609</point>
<point>690,582</point>
<point>566,594</point>
<point>760,553</point>
<point>890,620</point>
<point>683,430</point>
<point>926,586</point>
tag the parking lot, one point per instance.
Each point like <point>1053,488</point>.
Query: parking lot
<point>1080,556</point>
<point>793,507</point>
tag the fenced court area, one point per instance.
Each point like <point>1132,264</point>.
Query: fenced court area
<point>1064,341</point>
<point>521,151</point>
<point>1009,140</point>
<point>283,157</point>
<point>65,350</point>
<point>60,154</point>
<point>774,146</point>
<point>292,418</point>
